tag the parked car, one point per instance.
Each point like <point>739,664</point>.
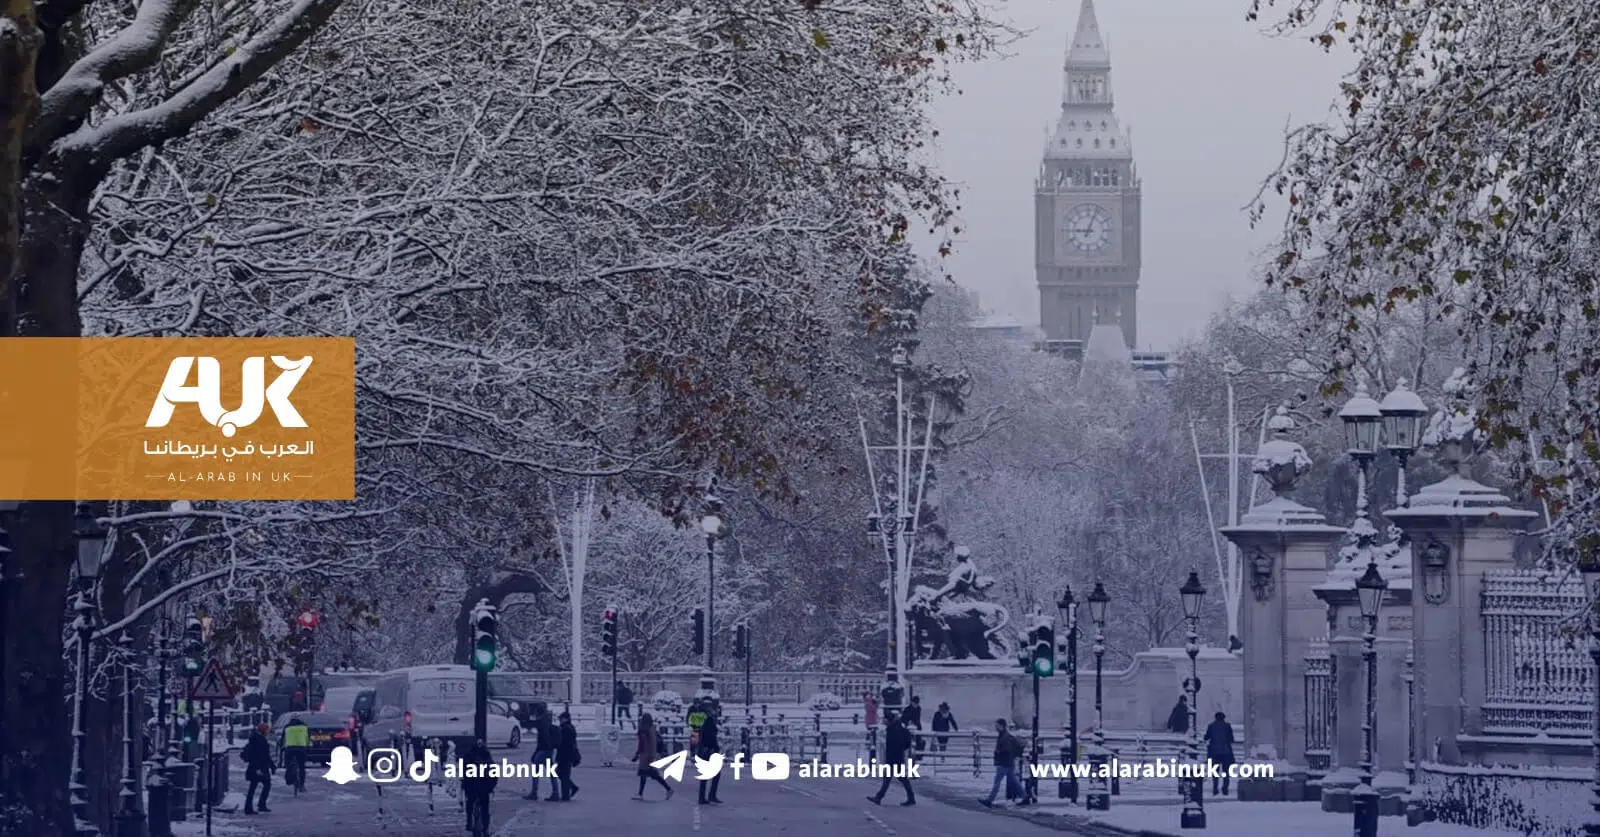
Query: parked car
<point>328,730</point>
<point>503,727</point>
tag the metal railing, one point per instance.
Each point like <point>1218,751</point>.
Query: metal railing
<point>1538,680</point>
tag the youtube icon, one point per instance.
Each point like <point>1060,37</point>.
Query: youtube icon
<point>769,767</point>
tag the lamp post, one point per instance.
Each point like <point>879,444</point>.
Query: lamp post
<point>130,820</point>
<point>1067,608</point>
<point>91,546</point>
<point>713,527</point>
<point>1403,413</point>
<point>1194,807</point>
<point>1099,796</point>
<point>1370,588</point>
<point>158,805</point>
<point>1589,568</point>
<point>1362,417</point>
<point>895,528</point>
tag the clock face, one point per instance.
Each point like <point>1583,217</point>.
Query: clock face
<point>1088,229</point>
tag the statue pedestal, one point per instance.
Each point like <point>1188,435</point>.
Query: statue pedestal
<point>978,692</point>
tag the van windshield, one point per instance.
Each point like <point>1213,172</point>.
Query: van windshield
<point>442,695</point>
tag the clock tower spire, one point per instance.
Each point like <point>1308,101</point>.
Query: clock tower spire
<point>1086,200</point>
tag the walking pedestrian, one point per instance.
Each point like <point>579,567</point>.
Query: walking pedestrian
<point>944,721</point>
<point>651,747</point>
<point>1219,751</point>
<point>1178,721</point>
<point>258,767</point>
<point>897,752</point>
<point>1007,749</point>
<point>545,737</point>
<point>872,709</point>
<point>567,757</point>
<point>709,746</point>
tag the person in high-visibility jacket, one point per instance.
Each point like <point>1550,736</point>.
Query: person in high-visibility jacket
<point>295,743</point>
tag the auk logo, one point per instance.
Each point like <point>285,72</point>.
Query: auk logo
<point>207,392</point>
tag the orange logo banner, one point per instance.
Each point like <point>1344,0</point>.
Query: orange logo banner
<point>156,418</point>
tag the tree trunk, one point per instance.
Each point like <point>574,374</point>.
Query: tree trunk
<point>38,723</point>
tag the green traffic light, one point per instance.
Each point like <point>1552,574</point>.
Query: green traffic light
<point>483,657</point>
<point>1044,667</point>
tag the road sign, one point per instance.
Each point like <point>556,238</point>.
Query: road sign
<point>212,684</point>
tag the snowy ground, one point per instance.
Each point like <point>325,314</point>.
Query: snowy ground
<point>1152,806</point>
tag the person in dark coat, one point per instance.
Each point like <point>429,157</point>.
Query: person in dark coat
<point>1007,749</point>
<point>623,697</point>
<point>1178,721</point>
<point>258,767</point>
<point>478,787</point>
<point>944,721</point>
<point>545,738</point>
<point>567,757</point>
<point>709,746</point>
<point>912,718</point>
<point>1219,751</point>
<point>650,748</point>
<point>896,751</point>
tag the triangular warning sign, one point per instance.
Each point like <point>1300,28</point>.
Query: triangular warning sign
<point>212,684</point>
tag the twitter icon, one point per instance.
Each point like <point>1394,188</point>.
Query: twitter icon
<point>672,766</point>
<point>707,768</point>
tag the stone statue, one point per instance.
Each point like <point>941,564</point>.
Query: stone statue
<point>955,622</point>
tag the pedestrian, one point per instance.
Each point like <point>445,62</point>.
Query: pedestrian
<point>1219,751</point>
<point>1178,721</point>
<point>897,752</point>
<point>872,709</point>
<point>258,767</point>
<point>622,696</point>
<point>651,747</point>
<point>478,787</point>
<point>708,747</point>
<point>567,757</point>
<point>545,737</point>
<point>912,718</point>
<point>944,721</point>
<point>1006,752</point>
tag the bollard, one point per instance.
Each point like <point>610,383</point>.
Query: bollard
<point>977,753</point>
<point>855,718</point>
<point>157,799</point>
<point>816,721</point>
<point>763,713</point>
<point>824,743</point>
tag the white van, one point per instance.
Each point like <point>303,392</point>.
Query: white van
<point>414,704</point>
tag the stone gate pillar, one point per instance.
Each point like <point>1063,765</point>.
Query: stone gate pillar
<point>1284,547</point>
<point>1459,530</point>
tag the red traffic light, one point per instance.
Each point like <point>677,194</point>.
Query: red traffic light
<point>611,615</point>
<point>309,618</point>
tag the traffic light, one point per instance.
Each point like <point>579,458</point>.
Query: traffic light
<point>741,641</point>
<point>699,631</point>
<point>484,650</point>
<point>1044,650</point>
<point>194,647</point>
<point>608,633</point>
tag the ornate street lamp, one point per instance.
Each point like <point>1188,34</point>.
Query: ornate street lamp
<point>1403,414</point>
<point>91,550</point>
<point>158,805</point>
<point>1362,417</point>
<point>1067,609</point>
<point>1370,588</point>
<point>713,526</point>
<point>1193,594</point>
<point>1099,797</point>
<point>130,820</point>
<point>1589,568</point>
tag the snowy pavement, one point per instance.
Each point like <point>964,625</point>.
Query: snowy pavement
<point>1150,808</point>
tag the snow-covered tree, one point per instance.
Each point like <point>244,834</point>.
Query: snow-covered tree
<point>1456,179</point>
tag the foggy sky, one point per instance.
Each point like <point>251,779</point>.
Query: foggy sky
<point>1207,95</point>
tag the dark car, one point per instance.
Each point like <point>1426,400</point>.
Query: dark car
<point>355,703</point>
<point>526,697</point>
<point>328,730</point>
<point>287,693</point>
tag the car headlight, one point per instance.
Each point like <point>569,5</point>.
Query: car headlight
<point>516,707</point>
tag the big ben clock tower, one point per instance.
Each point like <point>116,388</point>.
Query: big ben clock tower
<point>1087,203</point>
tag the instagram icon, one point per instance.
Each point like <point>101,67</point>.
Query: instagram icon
<point>383,765</point>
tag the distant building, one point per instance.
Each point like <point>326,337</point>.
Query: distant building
<point>1105,345</point>
<point>1000,327</point>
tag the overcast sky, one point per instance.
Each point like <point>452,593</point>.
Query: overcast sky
<point>1207,95</point>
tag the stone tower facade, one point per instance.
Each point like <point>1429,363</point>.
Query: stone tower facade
<point>1086,201</point>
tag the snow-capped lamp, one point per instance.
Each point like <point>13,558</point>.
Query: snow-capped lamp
<point>1403,417</point>
<point>1281,461</point>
